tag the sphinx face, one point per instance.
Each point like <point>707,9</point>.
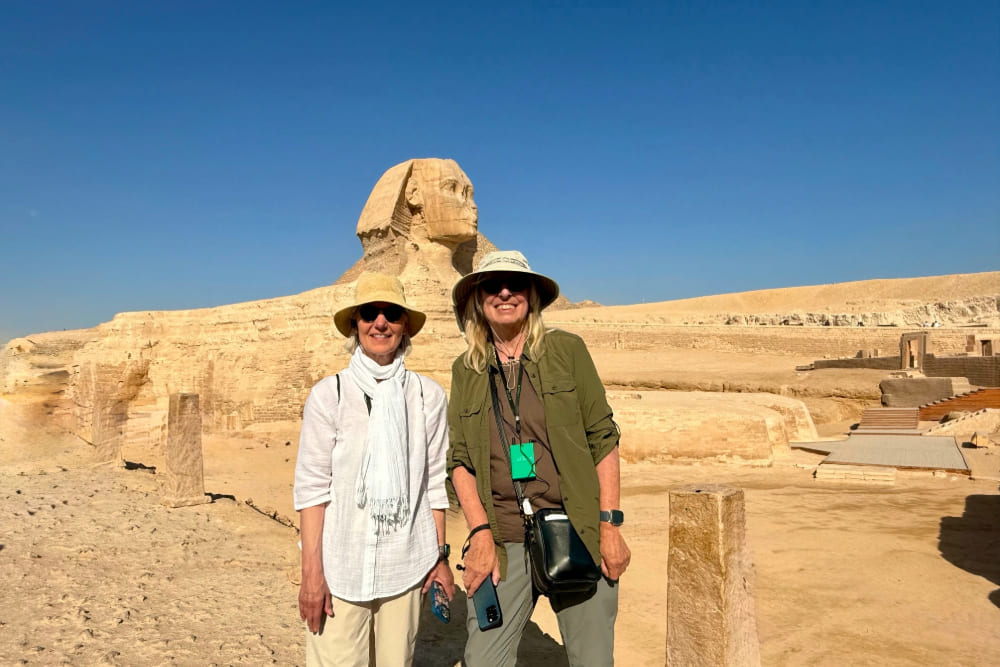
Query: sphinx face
<point>450,214</point>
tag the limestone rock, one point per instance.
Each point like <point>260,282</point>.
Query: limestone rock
<point>184,482</point>
<point>982,428</point>
<point>676,425</point>
<point>711,611</point>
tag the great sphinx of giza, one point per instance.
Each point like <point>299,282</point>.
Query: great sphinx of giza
<point>252,364</point>
<point>420,213</point>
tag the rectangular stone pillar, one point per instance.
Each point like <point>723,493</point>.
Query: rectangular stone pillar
<point>184,482</point>
<point>108,430</point>
<point>711,614</point>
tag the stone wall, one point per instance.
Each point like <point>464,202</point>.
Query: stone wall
<point>880,363</point>
<point>980,371</point>
<point>914,392</point>
<point>811,341</point>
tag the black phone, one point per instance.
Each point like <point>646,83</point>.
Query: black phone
<point>439,603</point>
<point>487,605</point>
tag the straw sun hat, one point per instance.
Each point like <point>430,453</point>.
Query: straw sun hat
<point>373,287</point>
<point>500,261</point>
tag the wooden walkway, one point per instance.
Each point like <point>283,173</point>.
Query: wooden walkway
<point>972,401</point>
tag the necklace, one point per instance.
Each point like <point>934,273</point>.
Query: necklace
<point>510,351</point>
<point>509,372</point>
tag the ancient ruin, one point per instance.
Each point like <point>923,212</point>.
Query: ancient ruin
<point>711,614</point>
<point>184,481</point>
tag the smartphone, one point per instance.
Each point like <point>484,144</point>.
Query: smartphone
<point>439,603</point>
<point>487,605</point>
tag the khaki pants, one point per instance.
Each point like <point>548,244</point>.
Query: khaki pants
<point>382,632</point>
<point>586,620</point>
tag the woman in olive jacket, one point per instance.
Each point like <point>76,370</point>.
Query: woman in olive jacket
<point>554,413</point>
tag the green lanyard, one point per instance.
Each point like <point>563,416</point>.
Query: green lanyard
<point>514,405</point>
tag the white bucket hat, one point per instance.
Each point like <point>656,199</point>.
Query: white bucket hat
<point>374,287</point>
<point>500,261</point>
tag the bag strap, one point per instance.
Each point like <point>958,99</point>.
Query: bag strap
<point>368,399</point>
<point>522,504</point>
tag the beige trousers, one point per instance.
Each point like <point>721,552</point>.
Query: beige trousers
<point>382,632</point>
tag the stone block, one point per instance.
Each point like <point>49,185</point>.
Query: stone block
<point>711,613</point>
<point>914,392</point>
<point>184,482</point>
<point>839,472</point>
<point>108,431</point>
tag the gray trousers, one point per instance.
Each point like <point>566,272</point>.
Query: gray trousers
<point>586,620</point>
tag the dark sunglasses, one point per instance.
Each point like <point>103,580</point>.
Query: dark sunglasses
<point>513,281</point>
<point>369,312</point>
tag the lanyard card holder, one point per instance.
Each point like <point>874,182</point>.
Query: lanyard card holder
<point>521,455</point>
<point>522,461</point>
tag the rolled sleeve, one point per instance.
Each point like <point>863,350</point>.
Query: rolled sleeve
<point>313,467</point>
<point>598,418</point>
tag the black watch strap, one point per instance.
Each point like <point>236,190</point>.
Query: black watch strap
<point>444,551</point>
<point>614,517</point>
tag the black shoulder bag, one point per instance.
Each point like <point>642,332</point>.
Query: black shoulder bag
<point>560,561</point>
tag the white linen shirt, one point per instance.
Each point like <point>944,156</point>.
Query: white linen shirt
<point>359,565</point>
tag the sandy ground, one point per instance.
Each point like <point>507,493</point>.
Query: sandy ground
<point>93,570</point>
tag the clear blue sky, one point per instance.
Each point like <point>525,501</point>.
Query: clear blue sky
<point>167,155</point>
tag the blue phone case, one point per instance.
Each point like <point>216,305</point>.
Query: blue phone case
<point>487,605</point>
<point>439,603</point>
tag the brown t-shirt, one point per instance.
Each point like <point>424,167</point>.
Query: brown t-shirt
<point>543,491</point>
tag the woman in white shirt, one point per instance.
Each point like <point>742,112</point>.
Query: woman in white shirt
<point>370,488</point>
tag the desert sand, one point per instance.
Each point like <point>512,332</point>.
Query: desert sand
<point>97,571</point>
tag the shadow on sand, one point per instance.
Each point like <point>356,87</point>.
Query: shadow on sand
<point>972,541</point>
<point>442,645</point>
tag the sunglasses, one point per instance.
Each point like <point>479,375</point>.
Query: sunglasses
<point>370,312</point>
<point>513,281</point>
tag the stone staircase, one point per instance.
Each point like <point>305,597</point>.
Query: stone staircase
<point>889,420</point>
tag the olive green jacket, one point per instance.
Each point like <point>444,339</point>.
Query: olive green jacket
<point>578,420</point>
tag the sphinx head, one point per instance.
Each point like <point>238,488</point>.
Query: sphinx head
<point>421,199</point>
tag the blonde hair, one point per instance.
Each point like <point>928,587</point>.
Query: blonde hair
<point>478,333</point>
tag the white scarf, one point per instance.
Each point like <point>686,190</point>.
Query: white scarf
<point>384,477</point>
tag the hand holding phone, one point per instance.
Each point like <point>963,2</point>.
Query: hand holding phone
<point>487,605</point>
<point>439,603</point>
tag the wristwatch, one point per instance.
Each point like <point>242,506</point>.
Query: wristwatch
<point>444,550</point>
<point>614,517</point>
